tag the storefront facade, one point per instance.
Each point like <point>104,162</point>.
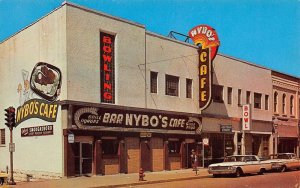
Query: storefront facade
<point>286,112</point>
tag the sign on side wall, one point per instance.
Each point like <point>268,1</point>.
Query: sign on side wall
<point>207,39</point>
<point>37,131</point>
<point>38,93</point>
<point>246,123</point>
<point>107,67</point>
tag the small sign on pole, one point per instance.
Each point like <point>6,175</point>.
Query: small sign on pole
<point>205,141</point>
<point>11,147</point>
<point>71,138</point>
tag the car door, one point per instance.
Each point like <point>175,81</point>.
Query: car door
<point>256,165</point>
<point>248,167</point>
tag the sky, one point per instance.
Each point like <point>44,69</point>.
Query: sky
<point>262,32</point>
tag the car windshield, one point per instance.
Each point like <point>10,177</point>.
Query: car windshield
<point>280,156</point>
<point>234,158</point>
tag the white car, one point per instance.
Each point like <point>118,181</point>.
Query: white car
<point>284,161</point>
<point>239,165</point>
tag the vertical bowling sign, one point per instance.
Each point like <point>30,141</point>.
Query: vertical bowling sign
<point>246,118</point>
<point>107,67</point>
<point>207,39</point>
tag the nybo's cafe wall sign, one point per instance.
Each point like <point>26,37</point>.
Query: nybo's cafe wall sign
<point>207,39</point>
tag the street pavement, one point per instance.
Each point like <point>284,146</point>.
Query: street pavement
<point>119,180</point>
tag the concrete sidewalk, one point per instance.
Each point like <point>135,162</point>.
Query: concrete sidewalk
<point>119,180</point>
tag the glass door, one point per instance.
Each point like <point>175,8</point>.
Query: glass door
<point>83,154</point>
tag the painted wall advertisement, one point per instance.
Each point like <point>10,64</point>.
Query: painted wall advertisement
<point>38,97</point>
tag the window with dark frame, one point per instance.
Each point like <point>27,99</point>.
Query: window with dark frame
<point>257,100</point>
<point>248,97</point>
<point>153,81</point>
<point>217,93</point>
<point>174,147</point>
<point>229,95</point>
<point>283,103</point>
<point>172,85</point>
<point>110,146</point>
<point>266,102</point>
<point>292,105</point>
<point>2,136</point>
<point>189,84</point>
<point>275,102</point>
<point>239,97</point>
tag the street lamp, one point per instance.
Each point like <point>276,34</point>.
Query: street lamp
<point>275,124</point>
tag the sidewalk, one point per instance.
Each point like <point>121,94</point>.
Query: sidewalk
<point>119,180</point>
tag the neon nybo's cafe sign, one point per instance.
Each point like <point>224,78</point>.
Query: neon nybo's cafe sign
<point>207,39</point>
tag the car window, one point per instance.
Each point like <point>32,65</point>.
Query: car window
<point>253,158</point>
<point>247,158</point>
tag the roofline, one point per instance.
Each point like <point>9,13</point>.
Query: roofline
<point>76,6</point>
<point>103,14</point>
<point>243,61</point>
<point>171,39</point>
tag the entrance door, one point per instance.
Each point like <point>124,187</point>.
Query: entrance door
<point>189,148</point>
<point>146,155</point>
<point>83,153</point>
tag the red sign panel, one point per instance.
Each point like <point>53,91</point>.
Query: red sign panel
<point>107,67</point>
<point>246,117</point>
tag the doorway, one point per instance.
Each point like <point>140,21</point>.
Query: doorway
<point>83,154</point>
<point>189,148</point>
<point>146,155</point>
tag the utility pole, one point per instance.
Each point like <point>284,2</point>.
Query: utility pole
<point>11,123</point>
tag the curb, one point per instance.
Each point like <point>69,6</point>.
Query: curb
<point>151,182</point>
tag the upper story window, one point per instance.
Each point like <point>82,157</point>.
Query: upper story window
<point>266,102</point>
<point>189,86</point>
<point>257,100</point>
<point>283,103</point>
<point>172,85</point>
<point>292,105</point>
<point>275,102</point>
<point>217,93</point>
<point>239,97</point>
<point>153,82</point>
<point>248,97</point>
<point>229,95</point>
<point>2,136</point>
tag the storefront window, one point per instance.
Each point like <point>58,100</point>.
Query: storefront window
<point>110,146</point>
<point>174,146</point>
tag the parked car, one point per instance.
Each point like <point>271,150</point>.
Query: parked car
<point>284,161</point>
<point>238,165</point>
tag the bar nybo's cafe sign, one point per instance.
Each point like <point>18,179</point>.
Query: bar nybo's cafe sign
<point>207,39</point>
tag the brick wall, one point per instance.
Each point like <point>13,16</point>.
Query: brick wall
<point>111,166</point>
<point>175,162</point>
<point>158,154</point>
<point>133,153</point>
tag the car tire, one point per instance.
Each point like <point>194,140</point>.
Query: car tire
<point>1,181</point>
<point>283,168</point>
<point>238,173</point>
<point>261,171</point>
<point>216,175</point>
